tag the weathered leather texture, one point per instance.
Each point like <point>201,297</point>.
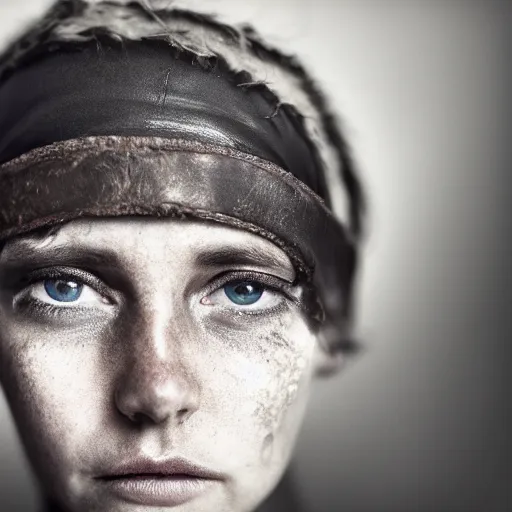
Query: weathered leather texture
<point>99,128</point>
<point>149,88</point>
<point>117,176</point>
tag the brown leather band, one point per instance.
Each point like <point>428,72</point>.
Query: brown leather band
<point>111,176</point>
<point>148,88</point>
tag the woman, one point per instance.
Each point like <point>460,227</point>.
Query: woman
<point>179,220</point>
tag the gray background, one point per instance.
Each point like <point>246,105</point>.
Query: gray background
<point>419,421</point>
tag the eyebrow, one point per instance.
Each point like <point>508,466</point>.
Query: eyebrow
<point>253,256</point>
<point>22,257</point>
<point>90,258</point>
<point>61,254</point>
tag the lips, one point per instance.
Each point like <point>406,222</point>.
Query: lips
<point>168,482</point>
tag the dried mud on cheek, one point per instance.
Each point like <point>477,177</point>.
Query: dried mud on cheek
<point>286,362</point>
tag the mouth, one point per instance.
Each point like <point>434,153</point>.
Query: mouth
<point>166,483</point>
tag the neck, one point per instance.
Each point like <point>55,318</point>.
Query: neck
<point>51,506</point>
<point>284,498</point>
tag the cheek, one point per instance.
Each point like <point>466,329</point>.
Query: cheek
<point>269,372</point>
<point>287,372</point>
<point>51,383</point>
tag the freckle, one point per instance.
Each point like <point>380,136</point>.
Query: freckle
<point>267,448</point>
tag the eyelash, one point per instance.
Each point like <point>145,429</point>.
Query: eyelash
<point>269,282</point>
<point>26,301</point>
<point>66,273</point>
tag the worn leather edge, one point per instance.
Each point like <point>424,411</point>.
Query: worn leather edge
<point>116,176</point>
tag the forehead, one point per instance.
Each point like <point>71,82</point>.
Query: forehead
<point>120,239</point>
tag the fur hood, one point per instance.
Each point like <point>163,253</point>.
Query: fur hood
<point>239,45</point>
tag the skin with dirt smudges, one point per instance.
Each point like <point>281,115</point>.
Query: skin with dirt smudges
<point>155,358</point>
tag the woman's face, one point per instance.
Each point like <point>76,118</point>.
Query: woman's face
<point>154,363</point>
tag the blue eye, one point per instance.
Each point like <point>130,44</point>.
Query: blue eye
<point>244,293</point>
<point>63,291</point>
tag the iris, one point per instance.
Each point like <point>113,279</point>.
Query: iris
<point>63,291</point>
<point>244,293</point>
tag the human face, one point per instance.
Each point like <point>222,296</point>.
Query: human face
<point>154,363</point>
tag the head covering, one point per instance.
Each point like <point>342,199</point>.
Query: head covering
<point>109,110</point>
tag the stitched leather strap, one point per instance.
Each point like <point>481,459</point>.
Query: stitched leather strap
<point>148,88</point>
<point>118,176</point>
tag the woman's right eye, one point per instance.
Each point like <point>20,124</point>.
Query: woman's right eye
<point>64,292</point>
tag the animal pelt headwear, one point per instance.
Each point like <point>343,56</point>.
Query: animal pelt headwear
<point>118,108</point>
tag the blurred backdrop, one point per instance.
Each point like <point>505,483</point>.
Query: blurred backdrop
<point>420,420</point>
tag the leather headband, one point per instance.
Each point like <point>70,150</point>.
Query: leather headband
<point>139,128</point>
<point>148,88</point>
<point>118,176</point>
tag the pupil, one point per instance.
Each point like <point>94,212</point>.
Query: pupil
<point>244,289</point>
<point>63,291</point>
<point>64,288</point>
<point>244,293</point>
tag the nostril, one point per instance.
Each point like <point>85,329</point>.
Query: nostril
<point>182,414</point>
<point>153,399</point>
<point>138,418</point>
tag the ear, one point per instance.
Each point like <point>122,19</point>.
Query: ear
<point>325,361</point>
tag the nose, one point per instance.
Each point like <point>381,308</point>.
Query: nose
<point>154,394</point>
<point>155,385</point>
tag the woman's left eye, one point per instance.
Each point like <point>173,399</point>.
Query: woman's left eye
<point>244,294</point>
<point>65,292</point>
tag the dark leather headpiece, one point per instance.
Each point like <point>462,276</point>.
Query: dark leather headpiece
<point>175,135</point>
